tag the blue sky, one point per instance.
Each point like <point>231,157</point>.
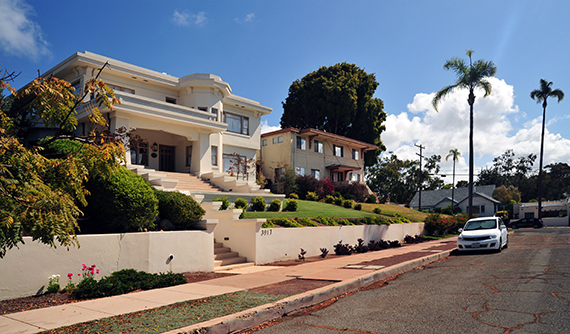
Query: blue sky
<point>261,47</point>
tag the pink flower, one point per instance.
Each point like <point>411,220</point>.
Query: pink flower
<point>93,266</point>
<point>78,274</point>
<point>84,266</point>
<point>92,271</point>
<point>69,275</point>
<point>97,271</point>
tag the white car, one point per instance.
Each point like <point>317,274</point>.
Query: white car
<point>483,233</point>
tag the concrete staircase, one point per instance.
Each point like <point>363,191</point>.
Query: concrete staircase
<point>189,182</point>
<point>171,180</point>
<point>233,184</point>
<point>225,259</point>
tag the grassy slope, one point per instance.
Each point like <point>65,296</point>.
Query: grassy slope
<point>314,209</point>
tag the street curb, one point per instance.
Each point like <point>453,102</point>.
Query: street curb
<point>255,316</point>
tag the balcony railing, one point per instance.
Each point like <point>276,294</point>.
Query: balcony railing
<point>147,102</point>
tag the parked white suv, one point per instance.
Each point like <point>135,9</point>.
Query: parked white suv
<point>483,233</point>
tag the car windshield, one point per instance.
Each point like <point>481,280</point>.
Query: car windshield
<point>480,225</point>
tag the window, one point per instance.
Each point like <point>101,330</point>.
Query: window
<point>300,171</point>
<point>355,154</point>
<point>316,174</point>
<point>278,172</point>
<point>214,155</point>
<point>234,163</point>
<point>338,151</point>
<point>139,155</point>
<point>264,142</point>
<point>278,140</point>
<point>355,177</point>
<point>318,146</point>
<point>214,112</point>
<point>188,156</point>
<point>202,108</point>
<point>170,100</point>
<point>121,89</point>
<point>478,208</point>
<point>237,124</point>
<point>301,143</point>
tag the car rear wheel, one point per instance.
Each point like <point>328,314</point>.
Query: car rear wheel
<point>514,226</point>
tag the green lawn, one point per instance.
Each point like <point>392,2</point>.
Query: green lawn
<point>312,209</point>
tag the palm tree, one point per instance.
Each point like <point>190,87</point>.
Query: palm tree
<point>469,76</point>
<point>455,154</point>
<point>540,95</point>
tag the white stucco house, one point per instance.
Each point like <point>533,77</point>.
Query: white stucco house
<point>192,123</point>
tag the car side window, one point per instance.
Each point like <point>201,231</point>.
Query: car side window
<point>501,224</point>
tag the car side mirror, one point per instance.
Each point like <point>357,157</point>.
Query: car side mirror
<point>460,230</point>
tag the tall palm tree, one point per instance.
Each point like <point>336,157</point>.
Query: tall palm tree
<point>469,76</point>
<point>455,154</point>
<point>541,95</point>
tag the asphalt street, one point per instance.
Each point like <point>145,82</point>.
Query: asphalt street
<point>523,289</point>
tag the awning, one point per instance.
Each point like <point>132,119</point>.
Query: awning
<point>342,168</point>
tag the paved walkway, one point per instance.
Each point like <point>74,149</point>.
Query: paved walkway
<point>344,270</point>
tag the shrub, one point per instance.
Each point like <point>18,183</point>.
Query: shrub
<point>372,199</point>
<point>268,224</point>
<point>285,222</point>
<point>360,247</point>
<point>225,202</point>
<point>312,196</point>
<point>124,281</point>
<point>293,196</point>
<point>258,203</point>
<point>358,206</point>
<point>182,210</point>
<point>338,201</point>
<point>124,202</point>
<point>60,148</point>
<point>291,205</point>
<point>377,211</point>
<point>275,205</point>
<point>343,249</point>
<point>329,199</point>
<point>355,190</point>
<point>435,224</point>
<point>306,221</point>
<point>306,184</point>
<point>240,203</point>
<point>343,221</point>
<point>347,203</point>
<point>325,221</point>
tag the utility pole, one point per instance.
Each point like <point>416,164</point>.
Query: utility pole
<point>421,178</point>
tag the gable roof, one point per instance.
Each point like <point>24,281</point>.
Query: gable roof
<point>431,198</point>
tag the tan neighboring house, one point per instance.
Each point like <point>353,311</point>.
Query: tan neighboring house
<point>192,123</point>
<point>313,152</point>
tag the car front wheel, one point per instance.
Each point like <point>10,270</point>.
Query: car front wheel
<point>500,246</point>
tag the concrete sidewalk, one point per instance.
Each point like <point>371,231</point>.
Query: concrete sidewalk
<point>345,270</point>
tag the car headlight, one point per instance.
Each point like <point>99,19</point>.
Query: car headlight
<point>460,238</point>
<point>494,236</point>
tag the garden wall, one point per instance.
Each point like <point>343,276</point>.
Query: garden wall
<point>26,271</point>
<point>278,244</point>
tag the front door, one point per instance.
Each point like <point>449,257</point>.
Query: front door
<point>166,158</point>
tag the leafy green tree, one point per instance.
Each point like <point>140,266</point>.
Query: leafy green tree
<point>338,99</point>
<point>398,179</point>
<point>454,154</point>
<point>557,181</point>
<point>541,95</point>
<point>469,76</point>
<point>40,196</point>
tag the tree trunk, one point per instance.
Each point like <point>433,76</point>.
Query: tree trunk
<point>540,162</point>
<point>471,163</point>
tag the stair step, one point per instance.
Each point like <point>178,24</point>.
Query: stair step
<point>218,244</point>
<point>230,267</point>
<point>221,256</point>
<point>221,250</point>
<point>231,260</point>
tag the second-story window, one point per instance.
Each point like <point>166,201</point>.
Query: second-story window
<point>277,140</point>
<point>338,151</point>
<point>121,89</point>
<point>237,123</point>
<point>264,142</point>
<point>301,143</point>
<point>214,112</point>
<point>170,100</point>
<point>355,154</point>
<point>318,146</point>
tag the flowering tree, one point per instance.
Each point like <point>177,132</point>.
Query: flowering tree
<point>40,196</point>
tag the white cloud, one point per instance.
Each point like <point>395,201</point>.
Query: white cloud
<point>265,128</point>
<point>19,35</point>
<point>448,129</point>
<point>248,18</point>
<point>185,18</point>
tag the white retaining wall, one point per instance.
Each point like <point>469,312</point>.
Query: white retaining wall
<point>285,243</point>
<point>25,271</point>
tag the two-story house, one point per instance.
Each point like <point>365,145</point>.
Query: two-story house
<point>192,124</point>
<point>313,152</point>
